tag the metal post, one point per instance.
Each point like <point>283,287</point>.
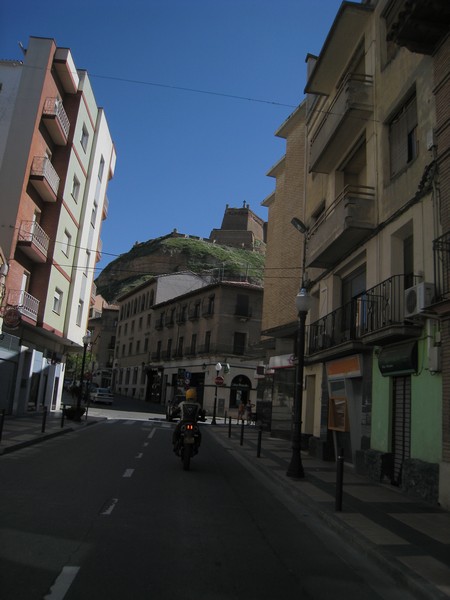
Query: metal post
<point>225,418</point>
<point>296,466</point>
<point>258,451</point>
<point>2,420</point>
<point>44,420</point>
<point>339,479</point>
<point>213,422</point>
<point>242,433</point>
<point>63,415</point>
<point>229,426</point>
<point>82,381</point>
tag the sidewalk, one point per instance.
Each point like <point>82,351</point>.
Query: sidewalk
<point>408,538</point>
<point>22,431</point>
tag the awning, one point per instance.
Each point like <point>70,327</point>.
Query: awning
<point>398,359</point>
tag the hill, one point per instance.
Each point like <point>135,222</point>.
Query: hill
<point>176,252</point>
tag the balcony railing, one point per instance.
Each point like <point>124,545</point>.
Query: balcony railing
<point>31,234</point>
<point>44,178</point>
<point>441,251</point>
<point>345,117</point>
<point>377,315</point>
<point>345,224</point>
<point>56,120</point>
<point>27,304</point>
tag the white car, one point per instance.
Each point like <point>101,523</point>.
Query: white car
<point>102,395</point>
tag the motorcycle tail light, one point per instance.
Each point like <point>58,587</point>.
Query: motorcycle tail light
<point>189,427</point>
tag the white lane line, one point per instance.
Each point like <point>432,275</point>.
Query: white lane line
<point>128,473</point>
<point>62,583</point>
<point>145,443</point>
<point>140,455</point>
<point>151,434</point>
<point>110,507</point>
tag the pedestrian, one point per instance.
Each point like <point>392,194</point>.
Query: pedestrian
<point>241,412</point>
<point>248,412</point>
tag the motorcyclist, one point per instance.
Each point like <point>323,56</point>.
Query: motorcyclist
<point>190,412</point>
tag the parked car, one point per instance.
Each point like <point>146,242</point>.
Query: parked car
<point>101,395</point>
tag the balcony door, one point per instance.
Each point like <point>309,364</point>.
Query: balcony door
<point>354,313</point>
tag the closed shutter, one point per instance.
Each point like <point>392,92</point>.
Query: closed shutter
<point>401,442</point>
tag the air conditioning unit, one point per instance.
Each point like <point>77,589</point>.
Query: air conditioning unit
<point>417,298</point>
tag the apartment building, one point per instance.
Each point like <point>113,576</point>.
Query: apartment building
<point>372,210</point>
<point>102,324</point>
<point>432,38</point>
<point>57,157</point>
<point>166,345</point>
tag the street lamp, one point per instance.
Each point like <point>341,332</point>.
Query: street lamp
<point>218,368</point>
<point>86,342</point>
<point>303,303</point>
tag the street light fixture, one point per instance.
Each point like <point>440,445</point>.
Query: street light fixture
<point>86,342</point>
<point>218,368</point>
<point>303,303</point>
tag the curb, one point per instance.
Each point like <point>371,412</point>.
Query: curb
<point>42,438</point>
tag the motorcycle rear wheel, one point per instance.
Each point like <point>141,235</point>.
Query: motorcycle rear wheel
<point>186,458</point>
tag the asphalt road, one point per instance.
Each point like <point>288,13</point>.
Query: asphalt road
<point>108,513</point>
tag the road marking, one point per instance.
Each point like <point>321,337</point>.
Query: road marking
<point>110,506</point>
<point>151,434</point>
<point>140,455</point>
<point>145,443</point>
<point>62,583</point>
<point>128,473</point>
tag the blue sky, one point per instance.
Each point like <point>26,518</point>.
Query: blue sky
<point>182,155</point>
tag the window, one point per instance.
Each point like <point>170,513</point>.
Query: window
<point>123,350</point>
<point>57,301</point>
<point>80,312</point>
<point>146,345</point>
<point>66,243</point>
<point>180,346</point>
<point>207,341</point>
<point>403,137</point>
<point>84,137</point>
<point>86,263</point>
<point>194,343</point>
<point>94,214</point>
<point>75,188</point>
<point>101,168</point>
<point>239,343</point>
<point>138,346</point>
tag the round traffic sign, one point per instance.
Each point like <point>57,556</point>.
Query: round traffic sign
<point>219,380</point>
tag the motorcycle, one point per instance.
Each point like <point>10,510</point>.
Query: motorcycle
<point>189,443</point>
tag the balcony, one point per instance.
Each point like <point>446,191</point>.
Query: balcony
<point>376,317</point>
<point>44,178</point>
<point>419,26</point>
<point>344,119</point>
<point>105,208</point>
<point>243,314</point>
<point>383,310</point>
<point>27,304</point>
<point>67,72</point>
<point>441,252</point>
<point>156,356</point>
<point>342,227</point>
<point>33,241</point>
<point>208,312</point>
<point>56,121</point>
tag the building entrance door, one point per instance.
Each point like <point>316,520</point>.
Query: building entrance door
<point>401,430</point>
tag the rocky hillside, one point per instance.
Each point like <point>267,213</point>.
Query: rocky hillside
<point>173,253</point>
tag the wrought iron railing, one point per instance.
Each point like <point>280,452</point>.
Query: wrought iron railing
<point>42,167</point>
<point>441,252</point>
<point>27,304</point>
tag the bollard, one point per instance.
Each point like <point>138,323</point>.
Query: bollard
<point>339,479</point>
<point>44,420</point>
<point>258,451</point>
<point>63,415</point>
<point>242,433</point>
<point>229,426</point>
<point>225,418</point>
<point>87,410</point>
<point>2,420</point>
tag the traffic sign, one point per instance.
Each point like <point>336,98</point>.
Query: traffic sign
<point>219,380</point>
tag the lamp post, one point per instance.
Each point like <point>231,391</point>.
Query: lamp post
<point>218,368</point>
<point>303,304</point>
<point>86,342</point>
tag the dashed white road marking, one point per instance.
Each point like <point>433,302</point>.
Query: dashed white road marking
<point>145,443</point>
<point>128,473</point>
<point>62,583</point>
<point>140,455</point>
<point>110,507</point>
<point>151,434</point>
